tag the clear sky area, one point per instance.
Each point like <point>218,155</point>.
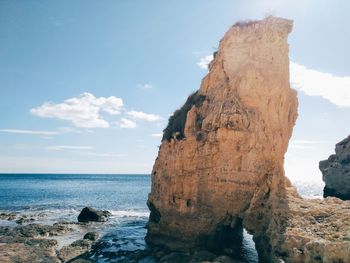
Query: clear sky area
<point>87,86</point>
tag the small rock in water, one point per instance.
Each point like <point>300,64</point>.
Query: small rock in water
<point>93,236</point>
<point>73,250</point>
<point>8,216</point>
<point>203,255</point>
<point>23,220</point>
<point>225,259</point>
<point>89,214</point>
<point>174,257</point>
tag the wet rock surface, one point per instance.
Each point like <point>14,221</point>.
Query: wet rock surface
<point>89,214</point>
<point>336,171</point>
<point>157,255</point>
<point>37,243</point>
<point>93,236</point>
<point>8,216</point>
<point>73,250</point>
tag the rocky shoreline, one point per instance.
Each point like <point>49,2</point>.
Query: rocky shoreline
<point>28,241</point>
<point>32,242</point>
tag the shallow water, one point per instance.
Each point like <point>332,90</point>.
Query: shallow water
<point>49,198</point>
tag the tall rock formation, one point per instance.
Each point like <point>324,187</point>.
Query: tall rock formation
<point>222,153</point>
<point>220,164</point>
<point>336,171</point>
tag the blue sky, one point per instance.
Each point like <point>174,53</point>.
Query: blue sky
<point>87,86</point>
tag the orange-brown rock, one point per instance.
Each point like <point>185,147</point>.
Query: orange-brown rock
<point>220,164</point>
<point>226,161</point>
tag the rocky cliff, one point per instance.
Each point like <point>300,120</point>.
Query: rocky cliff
<point>336,171</point>
<point>220,164</point>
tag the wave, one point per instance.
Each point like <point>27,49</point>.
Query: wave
<point>129,213</point>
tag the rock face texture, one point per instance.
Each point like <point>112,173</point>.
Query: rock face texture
<point>220,164</point>
<point>315,230</point>
<point>336,171</point>
<point>221,157</point>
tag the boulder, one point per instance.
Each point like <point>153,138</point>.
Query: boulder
<point>89,214</point>
<point>93,236</point>
<point>336,171</point>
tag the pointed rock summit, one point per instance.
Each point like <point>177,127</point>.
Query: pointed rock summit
<point>220,164</point>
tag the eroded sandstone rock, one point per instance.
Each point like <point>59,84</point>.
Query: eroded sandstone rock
<point>336,171</point>
<point>220,164</point>
<point>226,161</point>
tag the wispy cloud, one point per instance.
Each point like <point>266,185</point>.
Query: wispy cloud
<point>303,144</point>
<point>127,124</point>
<point>146,86</point>
<point>205,61</point>
<point>69,147</point>
<point>312,82</point>
<point>108,155</point>
<point>143,116</point>
<point>315,83</point>
<point>157,134</point>
<point>30,132</point>
<point>83,150</point>
<point>83,111</point>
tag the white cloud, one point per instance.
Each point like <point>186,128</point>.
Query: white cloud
<point>83,111</point>
<point>126,123</point>
<point>111,155</point>
<point>315,83</point>
<point>30,132</point>
<point>83,150</point>
<point>157,135</point>
<point>303,144</point>
<point>205,61</point>
<point>69,147</point>
<point>147,86</point>
<point>143,116</point>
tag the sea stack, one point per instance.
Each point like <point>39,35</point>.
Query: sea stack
<point>221,158</point>
<point>220,164</point>
<point>336,171</point>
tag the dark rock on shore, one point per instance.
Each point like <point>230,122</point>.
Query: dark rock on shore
<point>24,219</point>
<point>22,249</point>
<point>36,243</point>
<point>35,230</point>
<point>89,214</point>
<point>93,236</point>
<point>150,254</point>
<point>336,171</point>
<point>74,250</point>
<point>8,216</point>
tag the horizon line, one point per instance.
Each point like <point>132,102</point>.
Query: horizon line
<point>1,173</point>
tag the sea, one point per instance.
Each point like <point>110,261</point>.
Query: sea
<point>51,198</point>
